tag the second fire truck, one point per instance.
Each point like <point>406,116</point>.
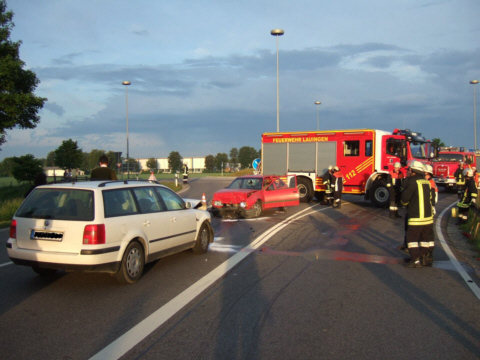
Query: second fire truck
<point>364,156</point>
<point>445,165</point>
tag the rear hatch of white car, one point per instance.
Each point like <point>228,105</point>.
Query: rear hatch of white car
<point>54,219</point>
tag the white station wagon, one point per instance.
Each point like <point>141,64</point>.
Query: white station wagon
<point>105,226</point>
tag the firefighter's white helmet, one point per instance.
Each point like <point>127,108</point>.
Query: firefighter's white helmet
<point>397,165</point>
<point>336,168</point>
<point>330,167</point>
<point>417,167</point>
<point>428,169</point>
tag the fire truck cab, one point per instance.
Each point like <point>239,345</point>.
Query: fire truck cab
<point>445,165</point>
<point>364,156</point>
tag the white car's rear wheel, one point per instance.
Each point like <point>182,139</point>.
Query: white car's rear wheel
<point>133,263</point>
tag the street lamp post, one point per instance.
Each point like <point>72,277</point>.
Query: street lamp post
<point>474,82</point>
<point>277,33</point>
<point>126,83</point>
<point>318,122</point>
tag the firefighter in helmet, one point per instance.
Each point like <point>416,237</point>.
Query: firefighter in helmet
<point>416,196</point>
<point>428,258</point>
<point>394,185</point>
<point>460,179</point>
<point>469,197</point>
<point>327,181</point>
<point>337,181</point>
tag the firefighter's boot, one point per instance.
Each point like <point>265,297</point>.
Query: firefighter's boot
<point>415,263</point>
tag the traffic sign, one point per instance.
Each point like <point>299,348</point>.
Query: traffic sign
<point>256,163</point>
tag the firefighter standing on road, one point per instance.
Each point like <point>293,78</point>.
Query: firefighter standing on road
<point>460,179</point>
<point>416,196</point>
<point>327,181</point>
<point>428,259</point>
<point>337,181</point>
<point>469,197</point>
<point>394,185</point>
<point>185,173</point>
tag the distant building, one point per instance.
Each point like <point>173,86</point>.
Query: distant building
<point>195,164</point>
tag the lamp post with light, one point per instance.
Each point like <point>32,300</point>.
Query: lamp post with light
<point>318,122</point>
<point>126,83</point>
<point>474,82</point>
<point>277,33</point>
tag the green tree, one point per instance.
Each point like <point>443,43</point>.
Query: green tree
<point>152,164</point>
<point>209,163</point>
<point>50,161</point>
<point>18,105</point>
<point>68,155</point>
<point>26,168</point>
<point>175,161</point>
<point>233,157</point>
<point>438,142</point>
<point>6,167</point>
<point>221,160</point>
<point>246,155</point>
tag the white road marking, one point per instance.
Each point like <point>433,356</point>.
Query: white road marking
<point>5,264</point>
<point>139,332</point>
<point>475,289</point>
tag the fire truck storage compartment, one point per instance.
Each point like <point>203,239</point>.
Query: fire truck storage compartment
<point>274,159</point>
<point>301,157</point>
<point>311,159</point>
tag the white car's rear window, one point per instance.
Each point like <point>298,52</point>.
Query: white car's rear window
<point>58,204</point>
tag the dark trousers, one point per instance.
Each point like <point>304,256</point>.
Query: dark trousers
<point>419,239</point>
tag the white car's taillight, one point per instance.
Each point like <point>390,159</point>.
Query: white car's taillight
<point>94,234</point>
<point>13,229</point>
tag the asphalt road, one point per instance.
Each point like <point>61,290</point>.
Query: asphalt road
<point>311,283</point>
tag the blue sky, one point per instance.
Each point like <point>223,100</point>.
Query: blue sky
<point>203,73</point>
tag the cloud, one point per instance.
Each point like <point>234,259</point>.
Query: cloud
<point>54,108</point>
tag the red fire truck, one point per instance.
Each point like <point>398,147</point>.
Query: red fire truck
<point>445,165</point>
<point>364,156</point>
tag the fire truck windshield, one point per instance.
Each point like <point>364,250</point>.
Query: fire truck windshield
<point>419,150</point>
<point>449,157</point>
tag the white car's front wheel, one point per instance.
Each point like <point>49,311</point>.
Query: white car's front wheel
<point>203,240</point>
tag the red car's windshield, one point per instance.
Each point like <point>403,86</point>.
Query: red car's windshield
<point>246,183</point>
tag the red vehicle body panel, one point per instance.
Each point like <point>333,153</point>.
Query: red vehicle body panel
<point>364,156</point>
<point>446,164</point>
<point>270,191</point>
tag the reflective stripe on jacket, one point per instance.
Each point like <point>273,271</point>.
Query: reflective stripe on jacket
<point>416,196</point>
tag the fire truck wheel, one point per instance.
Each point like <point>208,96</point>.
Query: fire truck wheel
<point>379,195</point>
<point>305,190</point>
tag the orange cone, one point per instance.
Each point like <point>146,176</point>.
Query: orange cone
<point>204,202</point>
<point>152,177</point>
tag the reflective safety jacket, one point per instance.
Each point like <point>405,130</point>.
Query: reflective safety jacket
<point>394,180</point>
<point>469,194</point>
<point>459,177</point>
<point>434,190</point>
<point>337,181</point>
<point>327,181</point>
<point>416,196</point>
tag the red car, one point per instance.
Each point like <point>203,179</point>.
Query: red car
<point>247,196</point>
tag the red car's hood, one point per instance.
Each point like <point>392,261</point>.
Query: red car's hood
<point>231,196</point>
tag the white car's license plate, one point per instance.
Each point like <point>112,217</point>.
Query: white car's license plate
<point>46,235</point>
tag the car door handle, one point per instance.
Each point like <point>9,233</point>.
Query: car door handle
<point>146,223</point>
<point>173,219</point>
